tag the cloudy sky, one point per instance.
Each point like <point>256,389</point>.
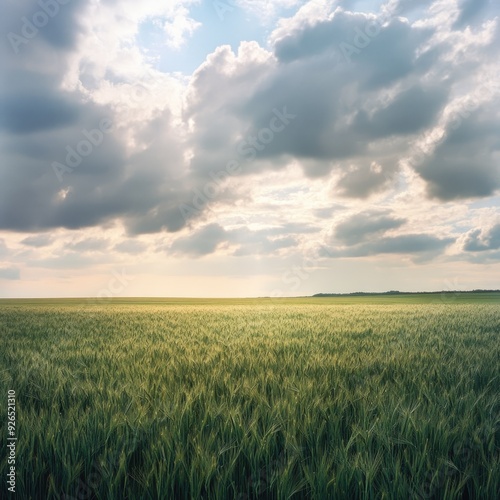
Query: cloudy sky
<point>248,147</point>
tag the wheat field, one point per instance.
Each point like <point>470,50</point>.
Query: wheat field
<point>356,398</point>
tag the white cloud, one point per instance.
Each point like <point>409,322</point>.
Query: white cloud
<point>267,9</point>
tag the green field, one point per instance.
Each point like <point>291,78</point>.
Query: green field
<point>356,398</point>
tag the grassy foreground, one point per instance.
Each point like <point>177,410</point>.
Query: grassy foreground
<point>359,398</point>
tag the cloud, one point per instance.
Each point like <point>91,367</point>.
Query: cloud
<point>261,242</point>
<point>59,31</point>
<point>104,185</point>
<point>132,247</point>
<point>26,113</point>
<point>361,179</point>
<point>69,260</point>
<point>410,111</point>
<point>326,212</point>
<point>291,228</point>
<point>10,273</point>
<point>483,240</point>
<point>44,121</point>
<point>365,225</point>
<point>354,118</point>
<point>179,27</point>
<point>358,86</point>
<point>38,241</point>
<point>421,246</point>
<point>201,242</point>
<point>470,11</point>
<point>465,164</point>
<point>89,245</point>
<point>366,130</point>
<point>242,240</point>
<point>339,125</point>
<point>265,10</point>
<point>365,234</point>
<point>407,244</point>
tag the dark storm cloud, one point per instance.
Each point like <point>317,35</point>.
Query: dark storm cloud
<point>362,226</point>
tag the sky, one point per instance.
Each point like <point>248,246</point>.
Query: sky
<point>246,148</point>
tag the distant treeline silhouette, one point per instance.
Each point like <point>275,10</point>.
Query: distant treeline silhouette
<point>397,292</point>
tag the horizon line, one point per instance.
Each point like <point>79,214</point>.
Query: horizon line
<point>316,295</point>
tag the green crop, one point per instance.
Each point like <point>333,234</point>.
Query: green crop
<point>287,399</point>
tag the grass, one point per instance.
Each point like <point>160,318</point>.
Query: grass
<point>349,397</point>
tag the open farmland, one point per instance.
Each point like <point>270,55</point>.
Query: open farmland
<point>360,398</point>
